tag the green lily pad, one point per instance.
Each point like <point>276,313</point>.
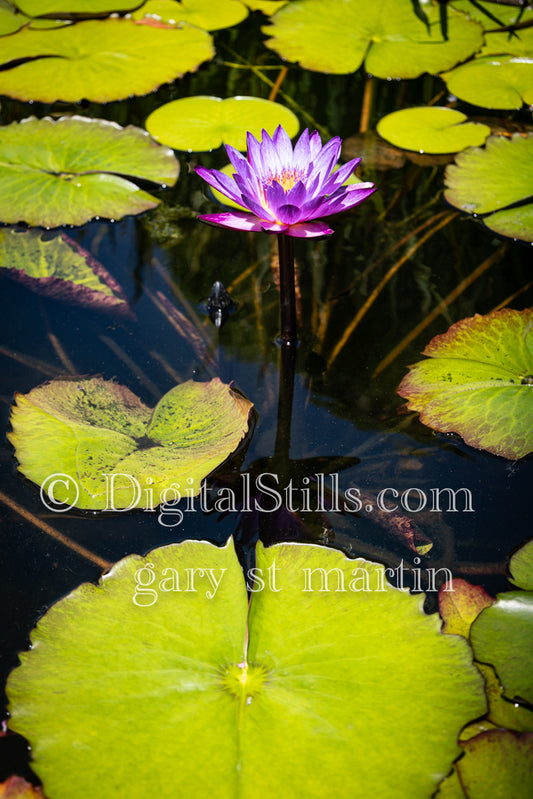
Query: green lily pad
<point>496,765</point>
<point>502,711</point>
<point>202,13</point>
<point>519,43</point>
<point>59,268</point>
<point>36,8</point>
<point>431,130</point>
<point>197,124</point>
<point>493,81</point>
<point>98,60</point>
<point>483,181</point>
<point>267,7</point>
<point>478,382</point>
<point>113,452</point>
<point>336,36</point>
<point>521,567</point>
<point>502,636</point>
<point>10,19</point>
<point>304,694</point>
<point>68,171</point>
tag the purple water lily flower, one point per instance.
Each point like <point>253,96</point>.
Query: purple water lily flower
<point>286,190</point>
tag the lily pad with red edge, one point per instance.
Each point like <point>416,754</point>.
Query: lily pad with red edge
<point>203,13</point>
<point>338,36</point>
<point>58,267</point>
<point>460,603</point>
<point>478,382</point>
<point>496,182</point>
<point>68,171</point>
<point>197,124</point>
<point>431,130</point>
<point>166,657</point>
<point>98,60</point>
<point>112,451</point>
<point>19,788</point>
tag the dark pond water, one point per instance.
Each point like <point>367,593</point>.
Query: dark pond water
<point>346,424</point>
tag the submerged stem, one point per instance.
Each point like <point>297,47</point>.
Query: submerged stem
<point>287,290</point>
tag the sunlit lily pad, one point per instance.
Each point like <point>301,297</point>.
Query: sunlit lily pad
<point>521,567</point>
<point>58,267</point>
<point>336,36</point>
<point>197,124</point>
<point>88,428</point>
<point>282,696</point>
<point>10,19</point>
<point>34,8</point>
<point>431,130</point>
<point>98,60</point>
<point>488,180</point>
<point>478,382</point>
<point>493,81</point>
<point>503,637</point>
<point>268,7</point>
<point>203,13</point>
<point>68,171</point>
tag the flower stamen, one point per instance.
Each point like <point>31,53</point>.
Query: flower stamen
<point>287,179</point>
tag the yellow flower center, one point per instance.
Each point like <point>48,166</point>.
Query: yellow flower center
<point>286,179</point>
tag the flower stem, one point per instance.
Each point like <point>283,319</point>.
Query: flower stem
<point>287,290</point>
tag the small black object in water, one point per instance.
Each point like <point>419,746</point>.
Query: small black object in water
<point>219,305</point>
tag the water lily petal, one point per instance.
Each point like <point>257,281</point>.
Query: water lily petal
<point>221,182</point>
<point>274,227</point>
<point>257,208</point>
<point>275,197</point>
<point>302,153</point>
<point>297,195</point>
<point>341,174</point>
<point>357,192</point>
<point>286,190</point>
<point>237,159</point>
<point>315,144</point>
<point>323,164</point>
<point>283,145</point>
<point>346,197</point>
<point>289,214</point>
<point>235,220</point>
<point>248,183</point>
<point>269,156</point>
<point>309,230</point>
<point>314,187</point>
<point>254,155</point>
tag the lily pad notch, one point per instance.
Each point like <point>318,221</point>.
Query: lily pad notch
<point>67,171</point>
<point>191,668</point>
<point>112,452</point>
